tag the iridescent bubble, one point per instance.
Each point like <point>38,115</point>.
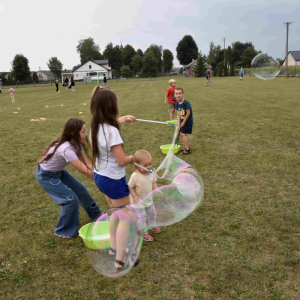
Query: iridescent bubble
<point>119,233</point>
<point>265,67</point>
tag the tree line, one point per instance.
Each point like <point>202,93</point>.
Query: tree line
<point>127,61</point>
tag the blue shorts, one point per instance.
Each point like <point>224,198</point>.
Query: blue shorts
<point>113,188</point>
<point>187,128</point>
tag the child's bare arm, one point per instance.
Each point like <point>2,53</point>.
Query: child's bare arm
<point>178,119</point>
<point>166,99</point>
<point>121,157</point>
<point>135,197</point>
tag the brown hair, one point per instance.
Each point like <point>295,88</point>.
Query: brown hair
<point>138,155</point>
<point>70,131</point>
<point>104,110</point>
<point>180,89</point>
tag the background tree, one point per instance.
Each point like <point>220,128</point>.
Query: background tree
<point>157,51</point>
<point>213,55</point>
<point>139,52</point>
<point>181,71</point>
<point>20,68</point>
<point>126,72</point>
<point>247,57</point>
<point>215,71</point>
<point>187,50</point>
<point>55,66</point>
<point>35,78</point>
<point>238,48</point>
<point>128,53</point>
<point>150,64</point>
<point>225,70</point>
<point>220,70</point>
<point>76,67</point>
<point>168,60</point>
<point>199,69</point>
<point>280,61</point>
<point>231,70</point>
<point>88,50</point>
<point>114,55</point>
<point>136,63</point>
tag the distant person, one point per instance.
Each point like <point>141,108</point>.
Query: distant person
<point>66,83</point>
<point>56,84</point>
<point>0,86</point>
<point>104,80</point>
<point>170,97</point>
<point>69,83</point>
<point>208,79</point>
<point>241,73</point>
<point>12,95</point>
<point>72,84</point>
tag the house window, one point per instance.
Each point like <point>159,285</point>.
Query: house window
<point>90,66</point>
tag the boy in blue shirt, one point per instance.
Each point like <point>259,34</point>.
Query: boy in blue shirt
<point>184,118</point>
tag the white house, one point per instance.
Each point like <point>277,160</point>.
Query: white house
<point>293,58</point>
<point>93,68</point>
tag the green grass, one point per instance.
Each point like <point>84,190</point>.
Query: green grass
<point>242,243</point>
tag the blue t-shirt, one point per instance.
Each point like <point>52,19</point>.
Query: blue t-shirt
<point>241,72</point>
<point>183,108</point>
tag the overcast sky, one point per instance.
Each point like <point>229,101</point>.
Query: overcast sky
<point>43,29</point>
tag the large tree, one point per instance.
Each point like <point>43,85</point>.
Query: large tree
<point>114,55</point>
<point>35,78</point>
<point>139,52</point>
<point>150,64</point>
<point>238,48</point>
<point>157,52</point>
<point>126,72</point>
<point>187,50</point>
<point>128,53</point>
<point>88,50</point>
<point>247,57</point>
<point>199,69</point>
<point>136,63</point>
<point>168,60</point>
<point>20,68</point>
<point>55,66</point>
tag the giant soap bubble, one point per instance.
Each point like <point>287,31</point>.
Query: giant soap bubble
<point>119,233</point>
<point>265,67</point>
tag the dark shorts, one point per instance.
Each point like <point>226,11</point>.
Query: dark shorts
<point>172,105</point>
<point>73,84</point>
<point>113,188</point>
<point>187,128</point>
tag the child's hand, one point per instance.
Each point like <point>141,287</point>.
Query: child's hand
<point>131,119</point>
<point>132,160</point>
<point>165,102</point>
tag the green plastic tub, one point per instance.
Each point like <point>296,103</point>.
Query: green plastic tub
<point>165,148</point>
<point>99,235</point>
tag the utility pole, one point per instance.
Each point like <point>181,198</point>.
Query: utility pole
<point>287,48</point>
<point>224,53</point>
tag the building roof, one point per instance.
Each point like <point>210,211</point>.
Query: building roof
<point>194,61</point>
<point>101,62</point>
<point>295,54</point>
<point>48,73</point>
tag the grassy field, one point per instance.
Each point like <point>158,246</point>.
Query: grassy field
<point>242,243</point>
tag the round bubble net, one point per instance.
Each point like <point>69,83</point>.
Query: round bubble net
<point>265,67</point>
<point>118,234</point>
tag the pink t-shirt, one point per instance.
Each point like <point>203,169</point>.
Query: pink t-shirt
<point>12,93</point>
<point>64,154</point>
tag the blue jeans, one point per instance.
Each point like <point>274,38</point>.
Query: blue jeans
<point>68,193</point>
<point>104,83</point>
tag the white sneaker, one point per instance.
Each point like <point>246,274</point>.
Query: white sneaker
<point>58,91</point>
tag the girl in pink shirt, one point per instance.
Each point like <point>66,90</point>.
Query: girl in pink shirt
<point>12,95</point>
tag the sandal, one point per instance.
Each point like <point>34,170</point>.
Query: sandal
<point>184,151</point>
<point>123,266</point>
<point>67,237</point>
<point>148,237</point>
<point>156,229</point>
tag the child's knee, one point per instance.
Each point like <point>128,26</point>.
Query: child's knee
<point>182,134</point>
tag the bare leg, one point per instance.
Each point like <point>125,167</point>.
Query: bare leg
<point>172,113</point>
<point>185,141</point>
